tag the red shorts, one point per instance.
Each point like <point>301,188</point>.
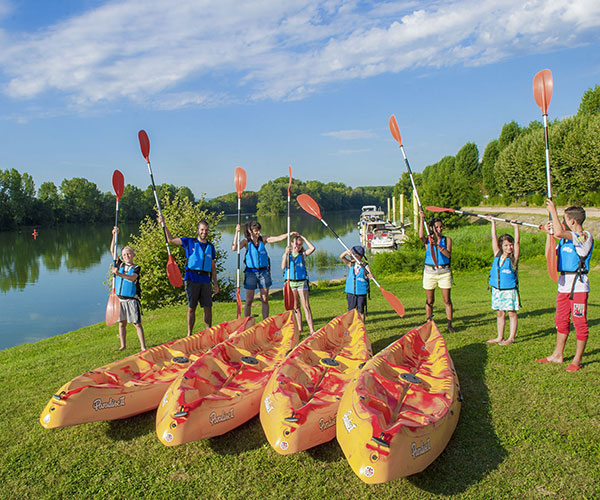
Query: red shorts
<point>575,307</point>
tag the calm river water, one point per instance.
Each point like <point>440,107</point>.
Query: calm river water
<point>55,283</point>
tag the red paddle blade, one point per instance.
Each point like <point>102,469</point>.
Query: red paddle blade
<point>144,144</point>
<point>174,273</point>
<point>118,182</point>
<point>240,180</point>
<point>238,299</point>
<point>113,309</point>
<point>290,183</point>
<point>288,297</point>
<point>309,205</point>
<point>439,209</point>
<point>394,302</point>
<point>551,259</point>
<point>542,89</point>
<point>395,130</point>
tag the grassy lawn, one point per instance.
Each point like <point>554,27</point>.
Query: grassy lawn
<point>526,430</point>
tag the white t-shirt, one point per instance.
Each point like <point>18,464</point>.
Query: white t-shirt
<point>565,281</point>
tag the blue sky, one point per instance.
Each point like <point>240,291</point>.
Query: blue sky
<point>265,84</point>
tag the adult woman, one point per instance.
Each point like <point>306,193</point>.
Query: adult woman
<point>257,273</point>
<point>437,270</point>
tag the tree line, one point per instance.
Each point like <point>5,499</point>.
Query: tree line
<point>513,166</point>
<point>79,200</point>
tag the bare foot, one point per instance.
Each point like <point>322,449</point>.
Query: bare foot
<point>506,342</point>
<point>495,341</point>
<point>120,349</point>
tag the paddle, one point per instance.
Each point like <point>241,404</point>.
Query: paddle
<point>543,86</point>
<point>113,306</point>
<point>396,134</point>
<point>311,207</point>
<point>239,179</point>
<point>288,295</point>
<point>453,210</point>
<point>173,272</point>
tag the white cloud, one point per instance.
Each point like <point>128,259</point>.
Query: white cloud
<point>350,135</point>
<point>189,53</point>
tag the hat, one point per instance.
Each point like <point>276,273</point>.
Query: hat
<point>358,250</point>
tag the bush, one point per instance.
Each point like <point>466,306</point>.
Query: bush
<point>181,216</point>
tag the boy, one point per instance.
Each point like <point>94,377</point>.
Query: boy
<point>357,282</point>
<point>573,258</point>
<point>200,271</point>
<point>127,287</point>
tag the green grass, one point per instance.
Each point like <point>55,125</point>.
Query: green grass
<point>526,430</point>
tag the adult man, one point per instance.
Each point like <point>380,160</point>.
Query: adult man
<point>200,271</point>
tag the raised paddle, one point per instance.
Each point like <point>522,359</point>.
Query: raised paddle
<point>310,206</point>
<point>543,86</point>
<point>454,210</point>
<point>113,306</point>
<point>239,179</point>
<point>396,134</point>
<point>288,295</point>
<point>173,272</point>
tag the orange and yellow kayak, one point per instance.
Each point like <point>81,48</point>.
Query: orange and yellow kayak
<point>300,402</point>
<point>221,390</point>
<point>134,384</point>
<point>398,415</point>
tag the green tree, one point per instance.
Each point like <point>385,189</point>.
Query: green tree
<point>182,218</point>
<point>19,194</point>
<point>50,203</point>
<point>81,200</point>
<point>590,102</point>
<point>488,165</point>
<point>510,131</point>
<point>467,162</point>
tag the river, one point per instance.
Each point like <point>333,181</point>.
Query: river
<point>54,283</point>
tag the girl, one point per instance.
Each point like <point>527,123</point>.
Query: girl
<point>293,264</point>
<point>257,273</point>
<point>357,282</point>
<point>436,271</point>
<point>505,282</point>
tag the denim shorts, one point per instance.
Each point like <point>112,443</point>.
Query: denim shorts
<point>260,278</point>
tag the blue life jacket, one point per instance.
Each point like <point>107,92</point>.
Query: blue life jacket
<point>442,260</point>
<point>503,277</point>
<point>256,257</point>
<point>568,261</point>
<point>200,259</point>
<point>296,268</point>
<point>125,288</point>
<point>357,284</point>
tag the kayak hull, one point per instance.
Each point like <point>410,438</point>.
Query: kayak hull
<point>399,414</point>
<point>300,402</point>
<point>134,384</point>
<point>221,389</point>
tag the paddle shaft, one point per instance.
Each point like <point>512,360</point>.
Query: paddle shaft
<point>361,264</point>
<point>239,221</point>
<point>158,206</point>
<point>412,181</point>
<point>497,218</point>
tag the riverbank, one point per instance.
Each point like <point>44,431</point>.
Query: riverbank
<point>526,430</point>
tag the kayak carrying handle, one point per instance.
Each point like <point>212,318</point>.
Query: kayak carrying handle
<point>381,441</point>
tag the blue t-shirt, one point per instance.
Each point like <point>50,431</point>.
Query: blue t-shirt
<point>188,246</point>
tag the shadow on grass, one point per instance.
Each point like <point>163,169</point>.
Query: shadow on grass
<point>248,436</point>
<point>326,452</point>
<point>130,428</point>
<point>474,450</point>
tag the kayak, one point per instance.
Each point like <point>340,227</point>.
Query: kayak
<point>398,415</point>
<point>221,389</point>
<point>134,384</point>
<point>300,402</point>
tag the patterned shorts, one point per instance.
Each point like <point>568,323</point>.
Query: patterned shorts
<point>505,300</point>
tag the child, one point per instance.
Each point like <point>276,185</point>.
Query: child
<point>357,282</point>
<point>127,287</point>
<point>293,264</point>
<point>257,273</point>
<point>505,282</point>
<point>574,251</point>
<point>436,271</point>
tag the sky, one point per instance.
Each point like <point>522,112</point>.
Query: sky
<point>264,84</point>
